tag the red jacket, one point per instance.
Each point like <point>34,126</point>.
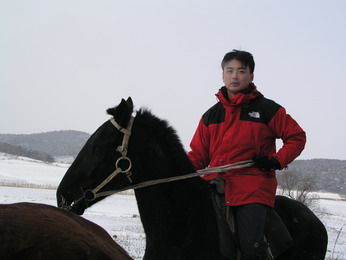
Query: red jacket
<point>237,129</point>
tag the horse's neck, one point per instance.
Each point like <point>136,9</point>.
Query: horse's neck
<point>171,206</point>
<point>166,207</point>
<point>176,215</point>
<point>172,209</point>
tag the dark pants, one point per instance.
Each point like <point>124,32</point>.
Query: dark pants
<point>240,227</point>
<point>250,221</point>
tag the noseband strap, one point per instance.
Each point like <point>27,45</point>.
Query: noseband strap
<point>92,194</point>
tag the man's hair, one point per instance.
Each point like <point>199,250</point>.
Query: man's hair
<point>244,57</point>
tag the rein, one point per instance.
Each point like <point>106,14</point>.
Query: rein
<point>90,195</point>
<point>238,165</point>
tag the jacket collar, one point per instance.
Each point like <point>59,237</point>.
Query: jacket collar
<point>240,98</point>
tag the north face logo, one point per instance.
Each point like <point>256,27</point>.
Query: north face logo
<point>254,114</point>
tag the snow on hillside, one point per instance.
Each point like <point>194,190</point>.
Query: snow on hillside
<point>22,170</point>
<point>118,214</point>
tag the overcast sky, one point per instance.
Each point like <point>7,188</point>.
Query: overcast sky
<point>63,63</point>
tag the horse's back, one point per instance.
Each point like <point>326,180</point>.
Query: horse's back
<point>308,232</point>
<point>39,231</point>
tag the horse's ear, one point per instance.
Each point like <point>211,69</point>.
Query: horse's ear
<point>122,112</point>
<point>130,104</point>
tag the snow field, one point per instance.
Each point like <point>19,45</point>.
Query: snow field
<point>118,214</point>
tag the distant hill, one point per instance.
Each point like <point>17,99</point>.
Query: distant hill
<point>55,143</point>
<point>330,174</point>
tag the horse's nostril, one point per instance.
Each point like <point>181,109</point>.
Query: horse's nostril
<point>63,204</point>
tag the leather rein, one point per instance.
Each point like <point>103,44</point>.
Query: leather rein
<point>90,195</point>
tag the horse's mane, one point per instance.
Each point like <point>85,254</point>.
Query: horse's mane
<point>167,136</point>
<point>161,128</point>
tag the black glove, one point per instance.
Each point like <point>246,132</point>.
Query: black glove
<point>266,164</point>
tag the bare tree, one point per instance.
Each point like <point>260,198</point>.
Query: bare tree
<point>297,186</point>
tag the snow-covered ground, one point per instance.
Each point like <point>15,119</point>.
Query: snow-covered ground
<point>118,214</point>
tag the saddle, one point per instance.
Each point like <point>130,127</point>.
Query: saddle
<point>276,233</point>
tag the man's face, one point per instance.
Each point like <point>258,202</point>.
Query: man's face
<point>236,77</point>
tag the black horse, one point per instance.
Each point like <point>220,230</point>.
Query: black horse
<point>178,217</point>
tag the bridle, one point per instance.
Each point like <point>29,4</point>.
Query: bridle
<point>90,195</point>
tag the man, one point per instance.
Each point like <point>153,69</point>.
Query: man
<point>244,125</point>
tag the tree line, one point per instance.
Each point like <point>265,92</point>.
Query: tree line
<point>20,151</point>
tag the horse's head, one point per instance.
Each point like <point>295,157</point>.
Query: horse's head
<point>101,156</point>
<point>118,156</point>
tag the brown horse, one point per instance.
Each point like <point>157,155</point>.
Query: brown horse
<point>38,231</point>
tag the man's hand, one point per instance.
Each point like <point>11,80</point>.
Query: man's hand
<point>266,164</point>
